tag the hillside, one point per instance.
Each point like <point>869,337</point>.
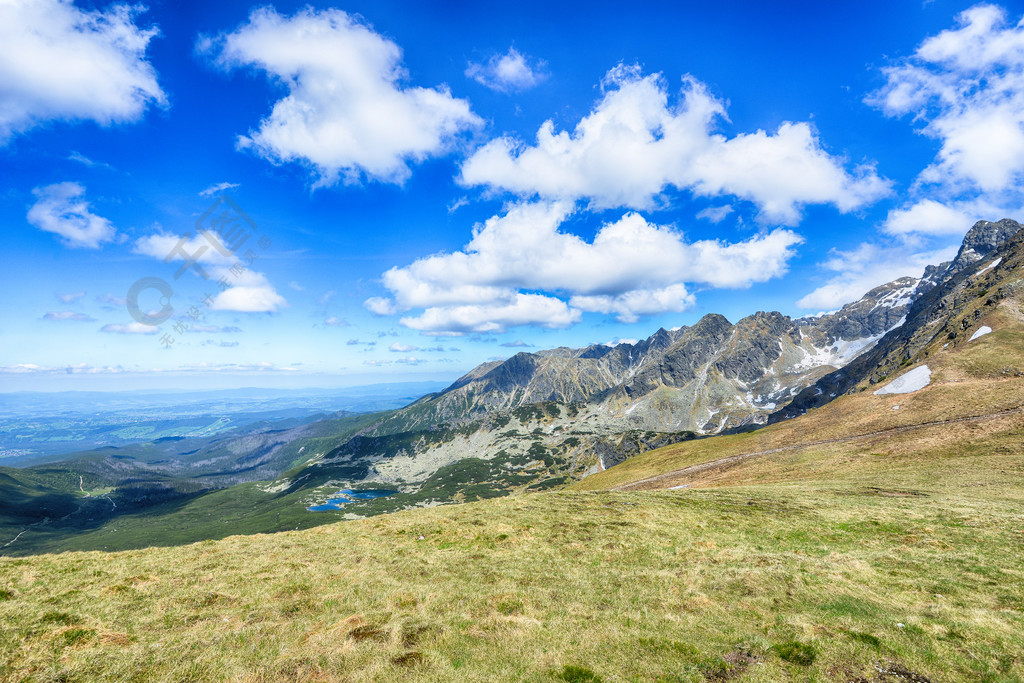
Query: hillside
<point>875,538</point>
<point>898,563</point>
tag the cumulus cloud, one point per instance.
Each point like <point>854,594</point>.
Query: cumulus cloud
<point>634,145</point>
<point>334,321</point>
<point>869,265</point>
<point>509,72</point>
<point>964,87</point>
<point>399,347</point>
<point>130,328</point>
<point>249,291</point>
<point>61,62</point>
<point>68,315</point>
<point>61,209</point>
<point>520,267</point>
<point>348,113</point>
<point>942,218</point>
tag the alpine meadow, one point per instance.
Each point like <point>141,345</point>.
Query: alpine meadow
<point>395,341</point>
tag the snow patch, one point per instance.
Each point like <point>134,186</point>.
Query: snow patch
<point>989,266</point>
<point>916,379</point>
<point>982,331</point>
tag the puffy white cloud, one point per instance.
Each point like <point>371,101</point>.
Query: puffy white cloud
<point>520,267</point>
<point>631,306</point>
<point>130,328</point>
<point>634,145</point>
<point>379,305</point>
<point>398,347</point>
<point>965,87</point>
<point>61,62</point>
<point>257,297</point>
<point>864,268</point>
<point>62,209</point>
<point>930,217</point>
<point>249,291</point>
<point>508,72</point>
<point>70,297</point>
<point>334,321</point>
<point>495,316</point>
<point>347,113</point>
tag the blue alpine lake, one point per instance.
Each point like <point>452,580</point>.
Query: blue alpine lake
<point>350,496</point>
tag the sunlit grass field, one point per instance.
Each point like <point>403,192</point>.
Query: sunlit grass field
<point>897,557</point>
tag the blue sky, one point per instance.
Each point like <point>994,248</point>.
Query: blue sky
<point>433,185</point>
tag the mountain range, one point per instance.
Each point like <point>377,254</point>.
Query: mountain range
<point>534,421</point>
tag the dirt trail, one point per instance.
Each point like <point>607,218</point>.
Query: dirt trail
<point>712,464</point>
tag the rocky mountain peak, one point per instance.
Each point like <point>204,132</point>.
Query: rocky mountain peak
<point>981,240</point>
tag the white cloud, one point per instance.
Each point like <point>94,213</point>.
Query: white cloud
<point>61,62</point>
<point>715,214</point>
<point>634,145</point>
<point>495,316</point>
<point>379,305</point>
<point>255,295</point>
<point>249,291</point>
<point>335,321</point>
<point>519,268</point>
<point>869,265</point>
<point>67,315</point>
<point>965,88</point>
<point>631,306</point>
<point>347,113</point>
<point>130,328</point>
<point>398,347</point>
<point>217,189</point>
<point>930,217</point>
<point>70,297</point>
<point>62,209</point>
<point>509,72</point>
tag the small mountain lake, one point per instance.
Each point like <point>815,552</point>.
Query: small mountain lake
<point>349,496</point>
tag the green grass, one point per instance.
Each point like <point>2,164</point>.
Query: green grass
<point>898,557</point>
<point>794,581</point>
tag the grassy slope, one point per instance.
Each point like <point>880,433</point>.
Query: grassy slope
<point>976,378</point>
<point>902,553</point>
